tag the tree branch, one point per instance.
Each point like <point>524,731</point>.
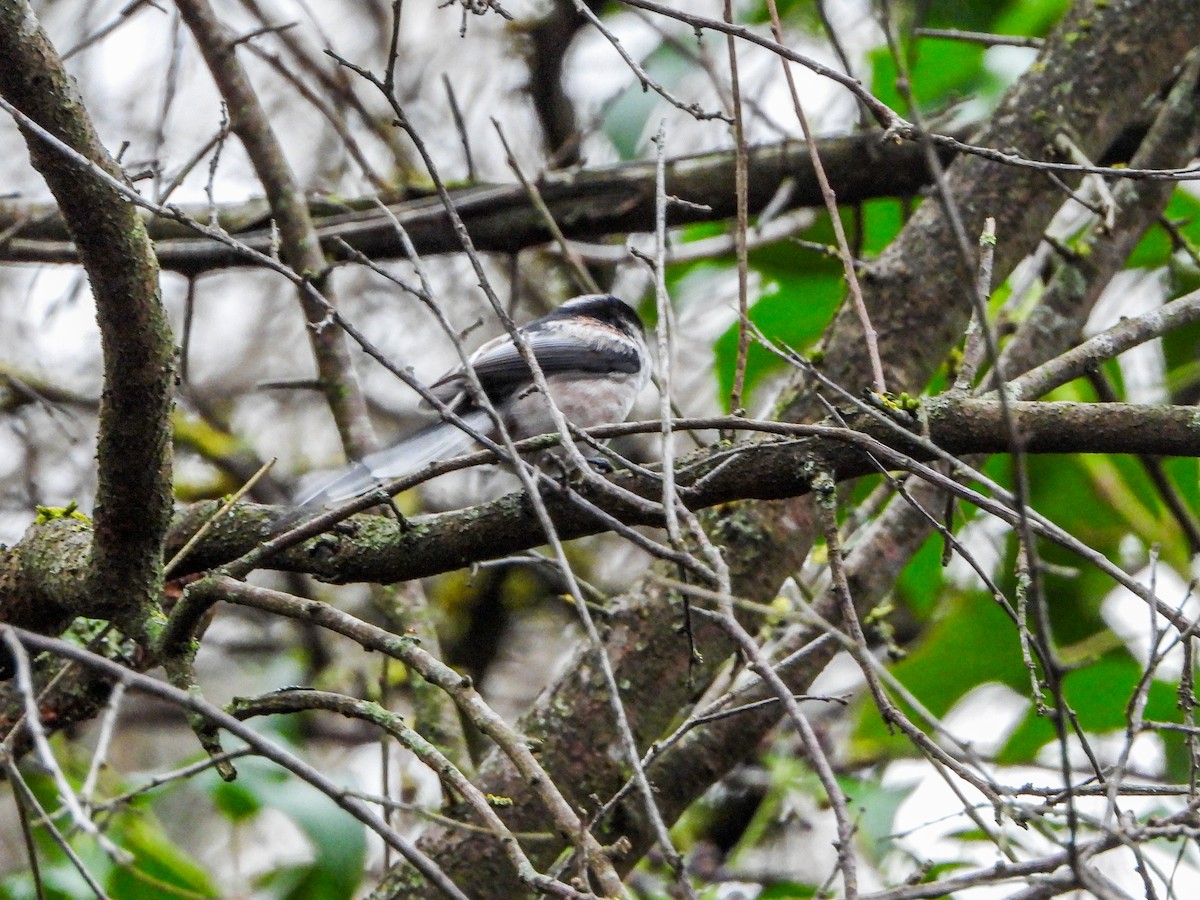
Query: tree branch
<point>300,245</point>
<point>370,548</point>
<point>375,549</point>
<point>586,204</point>
<point>133,450</point>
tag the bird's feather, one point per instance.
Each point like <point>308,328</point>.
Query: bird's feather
<point>501,369</point>
<point>441,440</point>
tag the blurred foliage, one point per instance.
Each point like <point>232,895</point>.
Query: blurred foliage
<point>337,842</point>
<point>159,867</point>
<point>801,287</point>
<point>632,117</point>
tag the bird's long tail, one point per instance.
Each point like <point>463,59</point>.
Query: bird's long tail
<point>441,440</point>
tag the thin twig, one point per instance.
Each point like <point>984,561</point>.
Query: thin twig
<point>461,125</point>
<point>216,517</point>
<point>296,700</point>
<point>741,189</point>
<point>666,342</point>
<point>582,276</point>
<point>980,37</point>
<point>693,109</point>
<point>870,338</point>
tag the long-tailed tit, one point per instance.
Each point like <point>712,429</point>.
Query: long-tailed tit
<point>592,352</point>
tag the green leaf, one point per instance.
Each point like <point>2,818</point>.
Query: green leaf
<point>972,644</point>
<point>956,14</point>
<point>1184,474</point>
<point>160,868</point>
<point>1033,18</point>
<point>922,581</point>
<point>803,287</point>
<point>801,13</point>
<point>875,813</point>
<point>943,71</point>
<point>60,881</point>
<point>627,118</point>
<point>794,312</point>
<point>1103,500</point>
<point>337,838</point>
<point>1155,248</point>
<point>1098,693</point>
<point>882,221</point>
<point>239,800</point>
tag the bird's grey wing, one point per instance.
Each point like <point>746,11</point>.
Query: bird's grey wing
<point>502,369</point>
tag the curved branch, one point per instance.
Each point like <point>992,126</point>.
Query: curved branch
<point>376,549</point>
<point>133,450</point>
<point>268,749</point>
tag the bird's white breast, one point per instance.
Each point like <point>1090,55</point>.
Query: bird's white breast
<point>584,401</point>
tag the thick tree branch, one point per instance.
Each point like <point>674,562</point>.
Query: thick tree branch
<point>705,754</point>
<point>370,548</point>
<point>133,451</point>
<point>586,204</point>
<point>917,289</point>
<point>763,539</point>
<point>376,549</point>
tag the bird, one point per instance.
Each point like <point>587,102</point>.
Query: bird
<point>592,351</point>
